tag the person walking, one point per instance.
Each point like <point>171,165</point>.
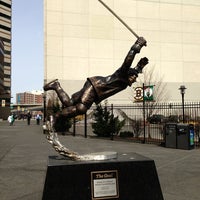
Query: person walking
<point>10,119</point>
<point>38,119</point>
<point>29,118</point>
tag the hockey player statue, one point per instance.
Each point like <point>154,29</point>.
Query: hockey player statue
<point>96,89</point>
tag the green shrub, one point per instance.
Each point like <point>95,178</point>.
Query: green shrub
<point>105,123</point>
<point>62,124</point>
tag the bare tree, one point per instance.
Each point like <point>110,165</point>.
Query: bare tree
<point>160,93</point>
<point>136,124</point>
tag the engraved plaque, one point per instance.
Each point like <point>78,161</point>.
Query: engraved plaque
<point>104,184</point>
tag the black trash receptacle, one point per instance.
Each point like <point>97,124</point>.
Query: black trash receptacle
<point>170,135</point>
<point>185,136</point>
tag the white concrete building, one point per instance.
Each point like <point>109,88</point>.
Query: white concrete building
<point>83,39</point>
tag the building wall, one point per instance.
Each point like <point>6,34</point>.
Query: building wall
<point>1,66</point>
<point>83,39</point>
<point>29,98</point>
<point>5,35</point>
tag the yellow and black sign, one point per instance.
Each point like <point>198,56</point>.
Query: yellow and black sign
<point>138,94</point>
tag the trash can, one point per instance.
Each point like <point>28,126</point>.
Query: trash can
<point>170,135</point>
<point>185,136</point>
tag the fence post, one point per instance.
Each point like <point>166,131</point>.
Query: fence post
<point>74,126</point>
<point>85,130</point>
<point>144,114</point>
<point>112,121</point>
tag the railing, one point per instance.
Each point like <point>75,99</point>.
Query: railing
<point>148,126</point>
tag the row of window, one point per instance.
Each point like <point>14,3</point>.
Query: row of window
<point>7,76</point>
<point>5,27</point>
<point>5,16</point>
<point>6,64</point>
<point>6,40</point>
<point>5,4</point>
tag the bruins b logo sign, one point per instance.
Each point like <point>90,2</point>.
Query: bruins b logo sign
<point>138,94</point>
<point>148,93</point>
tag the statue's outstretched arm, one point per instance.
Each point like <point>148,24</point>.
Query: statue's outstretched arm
<point>140,42</point>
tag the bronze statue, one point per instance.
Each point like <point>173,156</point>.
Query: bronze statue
<point>98,88</point>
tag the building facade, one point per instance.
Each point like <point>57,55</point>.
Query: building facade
<point>29,98</point>
<point>83,39</point>
<point>1,66</point>
<point>5,59</point>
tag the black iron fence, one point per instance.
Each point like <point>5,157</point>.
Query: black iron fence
<point>146,122</point>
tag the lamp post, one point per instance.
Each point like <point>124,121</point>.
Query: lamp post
<point>182,91</point>
<point>44,107</point>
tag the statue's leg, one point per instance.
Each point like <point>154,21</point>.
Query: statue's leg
<point>73,111</point>
<point>62,95</point>
<point>86,98</point>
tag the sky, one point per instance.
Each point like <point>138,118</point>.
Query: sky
<point>27,46</point>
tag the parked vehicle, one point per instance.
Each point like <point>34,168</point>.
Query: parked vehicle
<point>156,119</point>
<point>173,118</point>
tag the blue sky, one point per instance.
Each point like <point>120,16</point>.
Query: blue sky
<point>27,46</point>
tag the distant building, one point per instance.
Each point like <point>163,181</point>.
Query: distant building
<point>34,97</point>
<point>5,57</point>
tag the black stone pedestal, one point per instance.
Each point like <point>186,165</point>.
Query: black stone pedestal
<point>129,177</point>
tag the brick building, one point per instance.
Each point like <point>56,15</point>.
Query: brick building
<point>29,97</point>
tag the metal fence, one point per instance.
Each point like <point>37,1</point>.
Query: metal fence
<point>147,122</point>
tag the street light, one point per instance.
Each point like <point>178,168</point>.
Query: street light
<point>44,107</point>
<point>182,91</point>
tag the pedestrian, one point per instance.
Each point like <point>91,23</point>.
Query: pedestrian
<point>10,119</point>
<point>38,118</point>
<point>14,117</point>
<point>28,118</point>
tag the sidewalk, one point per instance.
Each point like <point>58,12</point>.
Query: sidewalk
<point>24,152</point>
